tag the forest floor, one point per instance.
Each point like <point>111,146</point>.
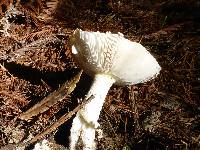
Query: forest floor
<point>35,61</point>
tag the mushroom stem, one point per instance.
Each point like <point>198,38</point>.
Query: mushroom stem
<point>85,122</point>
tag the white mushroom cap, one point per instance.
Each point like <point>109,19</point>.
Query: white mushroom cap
<point>106,53</point>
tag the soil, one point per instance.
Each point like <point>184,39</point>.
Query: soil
<point>35,60</point>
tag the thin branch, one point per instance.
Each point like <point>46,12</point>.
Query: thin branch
<point>52,99</point>
<point>62,120</point>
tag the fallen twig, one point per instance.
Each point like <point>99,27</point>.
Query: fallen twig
<point>62,120</point>
<point>52,99</point>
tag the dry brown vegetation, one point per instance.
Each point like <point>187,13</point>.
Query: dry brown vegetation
<point>35,60</point>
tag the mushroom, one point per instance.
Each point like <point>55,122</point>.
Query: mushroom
<point>109,58</point>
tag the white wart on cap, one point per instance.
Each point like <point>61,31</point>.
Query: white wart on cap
<point>109,58</point>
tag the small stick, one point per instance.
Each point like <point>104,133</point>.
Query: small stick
<point>52,99</point>
<point>62,120</point>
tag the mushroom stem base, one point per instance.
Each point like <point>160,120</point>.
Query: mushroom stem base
<point>85,122</point>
